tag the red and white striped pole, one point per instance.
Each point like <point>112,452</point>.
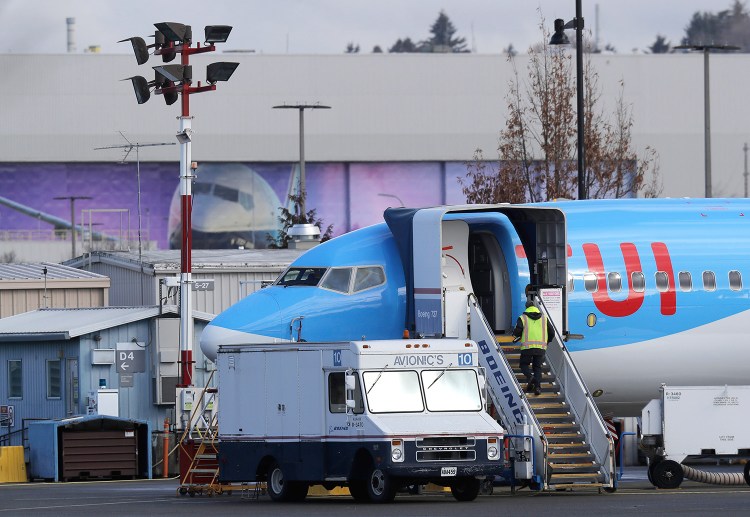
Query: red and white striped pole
<point>186,295</point>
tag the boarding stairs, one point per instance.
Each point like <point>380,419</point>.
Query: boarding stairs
<point>558,439</point>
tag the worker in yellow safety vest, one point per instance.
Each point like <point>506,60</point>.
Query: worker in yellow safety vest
<point>534,330</point>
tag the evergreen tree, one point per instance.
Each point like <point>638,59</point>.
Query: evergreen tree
<point>442,39</point>
<point>660,46</point>
<point>728,27</point>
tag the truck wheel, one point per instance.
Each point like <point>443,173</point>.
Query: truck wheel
<point>358,491</point>
<point>281,489</point>
<point>667,474</point>
<point>747,472</point>
<point>466,489</point>
<point>379,487</point>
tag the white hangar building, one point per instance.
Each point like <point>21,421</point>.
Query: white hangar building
<point>400,130</point>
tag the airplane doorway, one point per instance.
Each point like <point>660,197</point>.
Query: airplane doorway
<point>490,280</point>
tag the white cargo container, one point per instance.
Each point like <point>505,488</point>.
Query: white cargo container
<point>370,415</point>
<point>694,421</point>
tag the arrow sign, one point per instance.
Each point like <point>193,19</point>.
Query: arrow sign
<point>131,358</point>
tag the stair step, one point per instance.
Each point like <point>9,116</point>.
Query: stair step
<point>566,414</point>
<point>559,436</point>
<point>569,455</point>
<point>537,404</point>
<point>203,471</point>
<point>573,466</point>
<point>572,445</point>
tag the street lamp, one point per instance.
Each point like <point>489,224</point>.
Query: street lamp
<point>302,108</point>
<point>72,200</point>
<point>706,49</point>
<point>559,38</point>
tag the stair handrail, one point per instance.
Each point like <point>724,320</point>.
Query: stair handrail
<point>580,401</point>
<point>511,395</point>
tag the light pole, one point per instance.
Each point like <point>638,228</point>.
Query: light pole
<point>302,108</point>
<point>745,174</point>
<point>172,81</point>
<point>559,38</point>
<point>72,200</point>
<point>706,49</point>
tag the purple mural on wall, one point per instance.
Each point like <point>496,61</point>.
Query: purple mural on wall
<point>234,204</point>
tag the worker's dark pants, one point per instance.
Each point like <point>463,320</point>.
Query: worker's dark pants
<point>535,358</point>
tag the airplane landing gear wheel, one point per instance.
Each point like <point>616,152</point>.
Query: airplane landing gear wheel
<point>667,474</point>
<point>747,473</point>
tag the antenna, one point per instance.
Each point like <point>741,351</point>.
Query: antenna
<point>127,148</point>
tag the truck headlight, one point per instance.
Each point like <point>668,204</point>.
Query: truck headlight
<point>397,450</point>
<point>493,452</point>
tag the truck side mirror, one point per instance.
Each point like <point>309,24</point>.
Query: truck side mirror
<point>350,381</point>
<point>350,404</point>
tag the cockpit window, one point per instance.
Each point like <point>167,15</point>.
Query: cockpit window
<point>302,276</point>
<point>338,280</point>
<point>367,277</point>
<point>246,200</point>
<point>226,193</point>
<point>202,188</point>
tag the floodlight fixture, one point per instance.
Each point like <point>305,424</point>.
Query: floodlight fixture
<point>185,136</point>
<point>141,87</point>
<point>559,37</point>
<point>220,71</point>
<point>176,73</point>
<point>175,32</point>
<point>139,48</point>
<point>217,33</point>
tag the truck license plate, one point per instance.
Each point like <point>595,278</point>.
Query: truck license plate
<point>448,471</point>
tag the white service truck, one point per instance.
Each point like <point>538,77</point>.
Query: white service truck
<point>374,416</point>
<point>694,422</point>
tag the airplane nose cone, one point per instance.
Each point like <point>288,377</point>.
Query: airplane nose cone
<point>256,319</point>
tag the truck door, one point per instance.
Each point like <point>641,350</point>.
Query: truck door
<point>282,403</point>
<point>341,425</point>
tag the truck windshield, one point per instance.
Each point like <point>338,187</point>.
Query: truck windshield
<point>393,391</point>
<point>451,390</point>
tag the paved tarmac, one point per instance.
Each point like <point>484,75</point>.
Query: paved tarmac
<point>635,495</point>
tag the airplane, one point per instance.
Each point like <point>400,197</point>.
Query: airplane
<point>653,286</point>
<point>233,207</point>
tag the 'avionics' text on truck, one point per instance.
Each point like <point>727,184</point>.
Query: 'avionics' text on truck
<point>370,415</point>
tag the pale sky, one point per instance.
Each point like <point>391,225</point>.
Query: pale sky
<point>326,26</point>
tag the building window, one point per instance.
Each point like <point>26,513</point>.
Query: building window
<point>639,281</point>
<point>54,381</point>
<point>590,283</point>
<point>15,379</point>
<point>614,280</point>
<point>686,281</point>
<point>735,280</point>
<point>662,281</point>
<point>571,284</point>
<point>709,281</point>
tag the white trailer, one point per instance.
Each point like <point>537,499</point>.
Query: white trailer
<point>695,422</point>
<point>371,415</point>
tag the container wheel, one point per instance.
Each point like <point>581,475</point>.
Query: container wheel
<point>667,474</point>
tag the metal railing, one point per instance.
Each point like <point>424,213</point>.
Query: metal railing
<point>507,395</point>
<point>581,402</point>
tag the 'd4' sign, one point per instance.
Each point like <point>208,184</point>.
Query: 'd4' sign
<point>130,358</point>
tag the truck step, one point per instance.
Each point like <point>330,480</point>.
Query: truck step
<point>562,486</point>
